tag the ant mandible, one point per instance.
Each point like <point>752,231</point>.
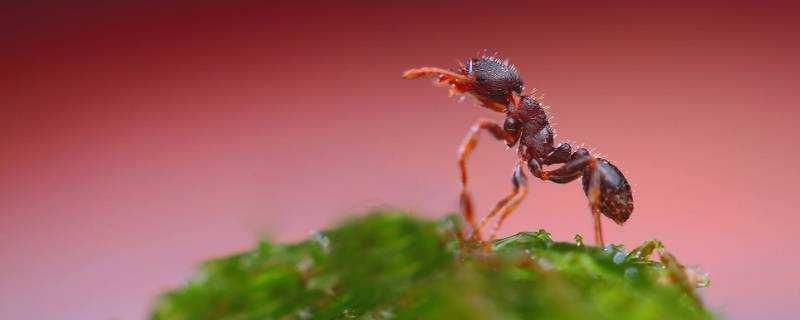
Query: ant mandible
<point>497,86</point>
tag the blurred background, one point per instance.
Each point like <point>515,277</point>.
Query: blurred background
<point>140,138</point>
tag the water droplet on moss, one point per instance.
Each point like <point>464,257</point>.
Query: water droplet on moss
<point>545,264</point>
<point>304,264</point>
<point>386,314</point>
<point>697,278</point>
<point>304,314</point>
<point>349,314</point>
<point>619,257</point>
<point>323,242</point>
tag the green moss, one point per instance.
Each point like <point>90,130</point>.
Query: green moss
<point>393,266</point>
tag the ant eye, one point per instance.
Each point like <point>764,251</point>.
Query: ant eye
<point>511,125</point>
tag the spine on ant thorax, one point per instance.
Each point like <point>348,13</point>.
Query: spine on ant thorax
<point>537,135</point>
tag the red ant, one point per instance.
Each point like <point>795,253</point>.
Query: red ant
<point>497,86</point>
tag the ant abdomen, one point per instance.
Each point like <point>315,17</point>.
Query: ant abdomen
<point>493,80</point>
<point>616,200</point>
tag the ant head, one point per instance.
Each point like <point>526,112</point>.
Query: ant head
<point>495,83</point>
<point>492,81</point>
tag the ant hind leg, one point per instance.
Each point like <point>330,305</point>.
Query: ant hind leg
<point>609,193</point>
<point>593,193</point>
<point>580,164</point>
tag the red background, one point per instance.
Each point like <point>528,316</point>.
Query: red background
<point>140,139</point>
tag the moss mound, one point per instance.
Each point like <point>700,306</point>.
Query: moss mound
<point>394,266</point>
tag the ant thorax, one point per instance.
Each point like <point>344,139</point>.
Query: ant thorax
<point>537,135</point>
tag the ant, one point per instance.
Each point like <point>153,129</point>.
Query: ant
<point>498,86</point>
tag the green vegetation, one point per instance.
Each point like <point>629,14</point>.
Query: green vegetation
<point>393,266</point>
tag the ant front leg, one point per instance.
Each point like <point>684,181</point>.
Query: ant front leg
<point>464,151</point>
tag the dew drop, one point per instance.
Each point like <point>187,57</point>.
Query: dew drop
<point>545,264</point>
<point>349,314</point>
<point>697,278</point>
<point>631,272</point>
<point>619,257</point>
<point>386,314</point>
<point>322,241</point>
<point>304,264</point>
<point>304,314</point>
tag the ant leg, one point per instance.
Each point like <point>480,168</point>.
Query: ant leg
<point>560,154</point>
<point>604,185</point>
<point>609,193</point>
<point>576,167</point>
<point>571,170</point>
<point>520,190</point>
<point>593,194</point>
<point>517,179</point>
<point>464,151</point>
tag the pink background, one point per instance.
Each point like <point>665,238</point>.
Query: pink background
<point>138,140</point>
